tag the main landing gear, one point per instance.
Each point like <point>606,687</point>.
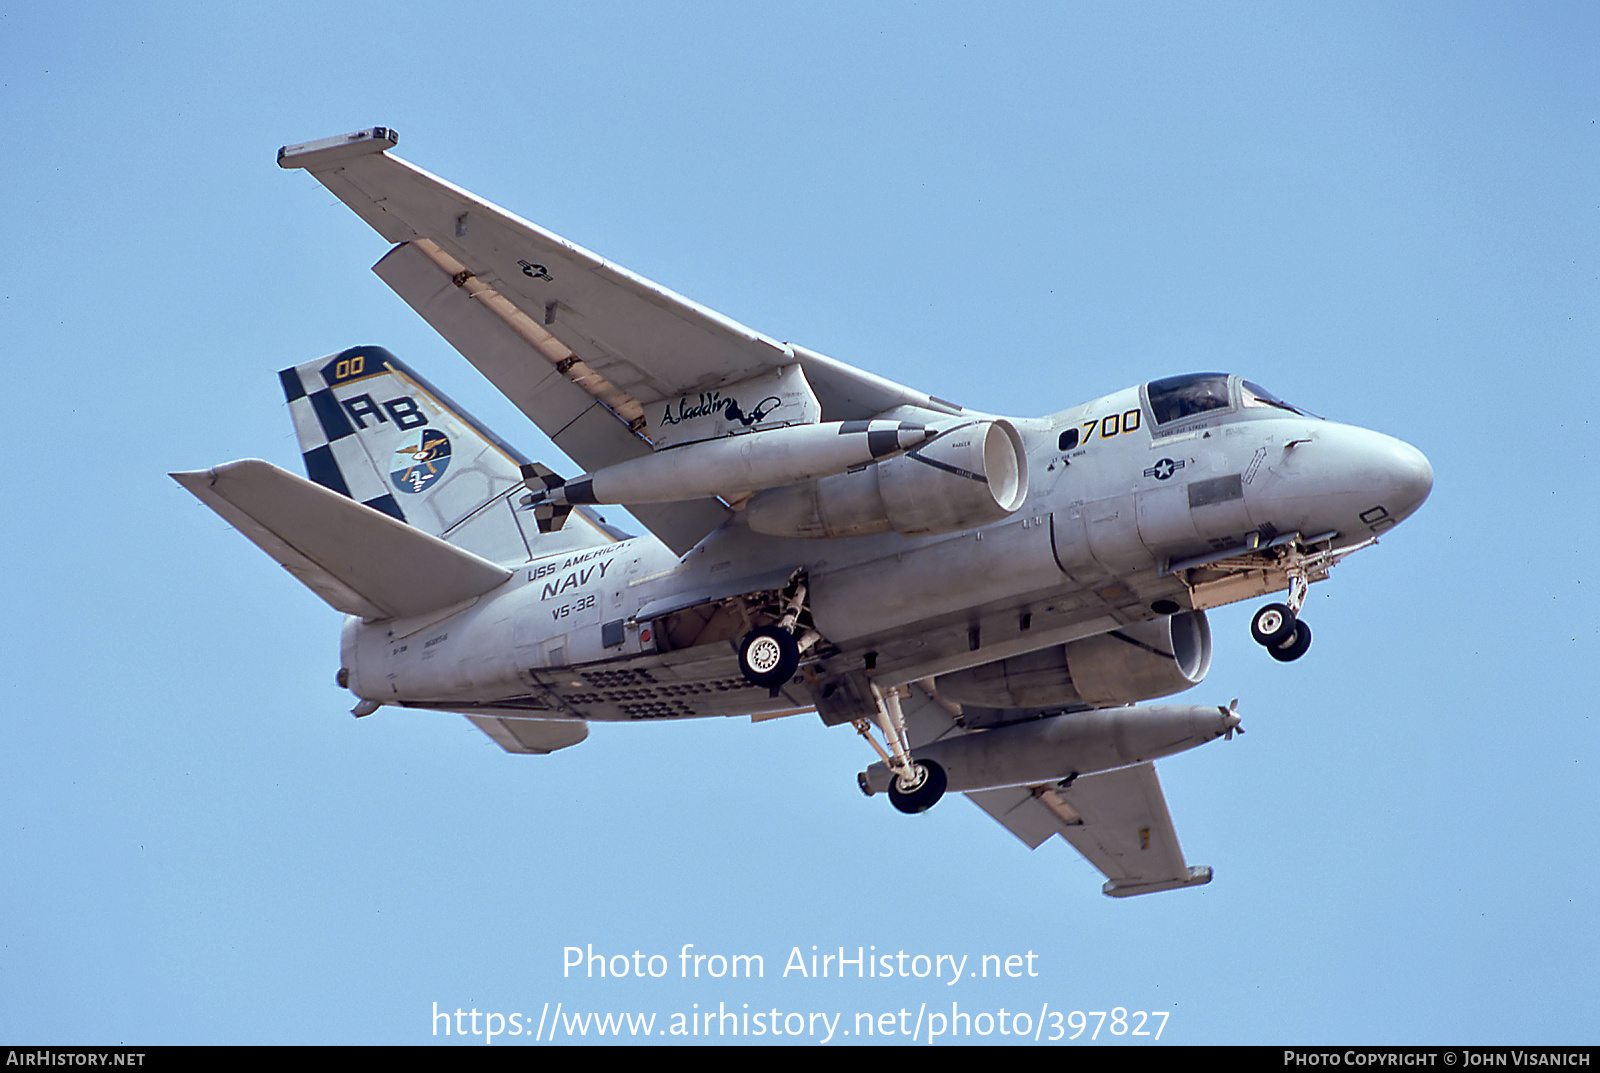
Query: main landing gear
<point>769,655</point>
<point>914,785</point>
<point>1277,627</point>
<point>927,783</point>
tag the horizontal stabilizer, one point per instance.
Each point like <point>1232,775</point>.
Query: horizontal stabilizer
<point>360,560</point>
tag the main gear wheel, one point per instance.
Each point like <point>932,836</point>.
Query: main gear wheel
<point>768,656</point>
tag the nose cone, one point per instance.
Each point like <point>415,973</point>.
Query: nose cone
<point>1390,478</point>
<point>1343,479</point>
<point>1384,480</point>
<point>1409,477</point>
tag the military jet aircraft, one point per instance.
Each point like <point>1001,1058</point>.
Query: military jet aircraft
<point>996,597</point>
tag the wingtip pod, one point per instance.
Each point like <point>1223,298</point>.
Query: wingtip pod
<point>313,156</point>
<point>1199,875</point>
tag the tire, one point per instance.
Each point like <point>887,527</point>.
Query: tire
<point>1295,646</point>
<point>925,794</point>
<point>1272,625</point>
<point>768,657</point>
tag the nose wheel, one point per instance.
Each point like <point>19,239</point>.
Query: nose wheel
<point>1298,561</point>
<point>1277,627</point>
<point>1292,647</point>
<point>1273,625</point>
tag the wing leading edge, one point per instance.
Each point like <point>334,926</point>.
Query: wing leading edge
<point>581,345</point>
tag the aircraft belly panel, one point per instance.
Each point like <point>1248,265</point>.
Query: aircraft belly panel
<point>680,685</point>
<point>999,630</point>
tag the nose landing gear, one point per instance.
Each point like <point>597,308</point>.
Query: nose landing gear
<point>1293,647</point>
<point>1277,627</point>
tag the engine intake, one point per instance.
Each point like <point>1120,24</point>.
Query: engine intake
<point>1134,663</point>
<point>968,476</point>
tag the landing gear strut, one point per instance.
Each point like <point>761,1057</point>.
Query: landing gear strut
<point>914,785</point>
<point>769,655</point>
<point>1277,627</point>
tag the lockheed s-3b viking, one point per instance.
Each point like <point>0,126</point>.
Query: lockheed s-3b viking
<point>995,597</point>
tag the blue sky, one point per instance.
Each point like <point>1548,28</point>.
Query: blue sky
<point>1387,215</point>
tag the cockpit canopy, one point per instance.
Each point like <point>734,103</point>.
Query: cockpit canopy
<point>1178,397</point>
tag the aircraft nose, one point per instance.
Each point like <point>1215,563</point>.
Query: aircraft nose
<point>1409,477</point>
<point>1344,478</point>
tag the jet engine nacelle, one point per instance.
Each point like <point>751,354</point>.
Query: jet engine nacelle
<point>1134,663</point>
<point>969,476</point>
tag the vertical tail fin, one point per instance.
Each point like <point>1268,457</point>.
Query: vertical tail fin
<point>374,430</point>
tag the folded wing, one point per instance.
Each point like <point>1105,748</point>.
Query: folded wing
<point>581,345</point>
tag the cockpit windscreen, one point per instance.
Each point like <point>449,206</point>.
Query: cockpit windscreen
<point>1178,397</point>
<point>1256,395</point>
